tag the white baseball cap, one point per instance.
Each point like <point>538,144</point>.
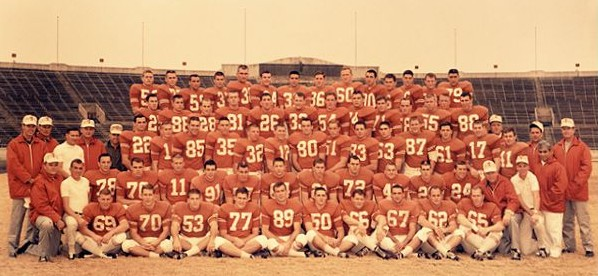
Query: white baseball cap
<point>537,124</point>
<point>116,129</point>
<point>50,158</point>
<point>522,159</point>
<point>45,121</point>
<point>29,120</point>
<point>88,123</point>
<point>489,166</point>
<point>495,118</point>
<point>567,122</point>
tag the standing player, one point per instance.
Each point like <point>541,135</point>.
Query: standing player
<point>332,112</point>
<point>401,220</point>
<point>162,148</point>
<point>371,89</point>
<point>265,116</point>
<point>150,226</point>
<point>383,113</point>
<point>44,132</point>
<point>74,191</point>
<point>358,111</point>
<point>465,116</point>
<point>338,147</point>
<point>480,220</point>
<point>68,151</point>
<point>24,161</point>
<point>241,179</point>
<point>449,149</point>
<point>241,86</point>
<point>345,87</point>
<point>419,185</point>
<point>177,115</point>
<point>458,182</point>
<point>210,183</point>
<point>168,89</point>
<point>207,117</point>
<point>237,114</point>
<point>192,144</point>
<point>355,177</point>
<point>175,183</point>
<point>139,91</point>
<point>319,90</point>
<point>419,146</point>
<point>277,146</point>
<point>315,178</point>
<point>382,182</point>
<point>299,110</point>
<point>193,95</point>
<point>194,226</point>
<point>264,86</point>
<point>575,156</point>
<point>286,93</point>
<point>306,145</point>
<point>279,174</point>
<point>102,178</point>
<point>390,86</point>
<point>510,151</point>
<point>220,145</point>
<point>129,184</point>
<point>251,150</point>
<point>324,224</point>
<point>365,147</point>
<point>432,115</point>
<point>400,121</point>
<point>455,87</point>
<point>430,86</point>
<point>104,226</point>
<point>219,89</point>
<point>281,223</point>
<point>151,113</point>
<point>239,226</point>
<point>412,91</point>
<point>391,148</point>
<point>482,146</point>
<point>136,143</point>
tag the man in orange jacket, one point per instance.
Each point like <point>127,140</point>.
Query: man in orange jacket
<point>24,156</point>
<point>575,156</point>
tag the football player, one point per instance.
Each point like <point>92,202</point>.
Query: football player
<point>175,183</point>
<point>139,91</point>
<point>355,177</point>
<point>102,178</point>
<point>162,148</point>
<point>251,150</point>
<point>371,89</point>
<point>177,115</point>
<point>364,146</point>
<point>455,87</point>
<point>294,114</point>
<point>419,146</point>
<point>345,87</point>
<point>306,145</point>
<point>242,179</point>
<point>286,93</point>
<point>168,89</point>
<point>382,182</point>
<point>129,184</point>
<point>210,183</point>
<point>280,174</point>
<point>220,145</point>
<point>136,143</point>
<point>324,224</point>
<point>400,222</point>
<point>240,87</point>
<point>318,177</point>
<point>266,116</point>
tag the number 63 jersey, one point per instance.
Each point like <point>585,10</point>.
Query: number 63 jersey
<point>149,223</point>
<point>281,217</point>
<point>102,221</point>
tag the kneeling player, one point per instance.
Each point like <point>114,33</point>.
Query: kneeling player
<point>281,223</point>
<point>191,221</point>
<point>439,233</point>
<point>239,224</point>
<point>150,226</point>
<point>482,225</point>
<point>104,227</point>
<point>401,217</point>
<point>324,224</point>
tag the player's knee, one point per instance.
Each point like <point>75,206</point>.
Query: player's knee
<point>262,241</point>
<point>302,240</point>
<point>118,238</point>
<point>128,244</point>
<point>71,223</point>
<point>351,238</point>
<point>272,244</point>
<point>423,234</point>
<point>218,242</point>
<point>166,246</point>
<point>310,235</point>
<point>387,244</point>
<point>459,233</point>
<point>79,238</point>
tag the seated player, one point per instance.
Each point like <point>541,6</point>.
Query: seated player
<point>324,224</point>
<point>239,226</point>
<point>439,233</point>
<point>130,183</point>
<point>481,223</point>
<point>175,183</point>
<point>281,223</point>
<point>194,226</point>
<point>355,177</point>
<point>279,174</point>
<point>458,183</point>
<point>400,222</point>
<point>382,182</point>
<point>210,183</point>
<point>318,177</point>
<point>241,179</point>
<point>104,226</point>
<point>150,226</point>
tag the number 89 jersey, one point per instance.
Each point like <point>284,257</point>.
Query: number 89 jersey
<point>281,217</point>
<point>149,223</point>
<point>102,221</point>
<point>194,223</point>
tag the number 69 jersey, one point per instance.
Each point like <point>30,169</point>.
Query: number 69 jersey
<point>194,223</point>
<point>149,223</point>
<point>239,222</point>
<point>281,217</point>
<point>325,220</point>
<point>438,215</point>
<point>398,216</point>
<point>102,221</point>
<point>486,215</point>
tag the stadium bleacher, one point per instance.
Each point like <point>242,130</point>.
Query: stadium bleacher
<point>50,92</point>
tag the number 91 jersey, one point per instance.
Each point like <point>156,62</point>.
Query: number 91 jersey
<point>102,221</point>
<point>281,217</point>
<point>149,223</point>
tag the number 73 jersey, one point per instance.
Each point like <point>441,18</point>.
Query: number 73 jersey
<point>149,223</point>
<point>399,215</point>
<point>280,217</point>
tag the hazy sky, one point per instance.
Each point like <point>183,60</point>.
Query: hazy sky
<point>394,35</point>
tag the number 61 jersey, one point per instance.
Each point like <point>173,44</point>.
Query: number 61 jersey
<point>103,221</point>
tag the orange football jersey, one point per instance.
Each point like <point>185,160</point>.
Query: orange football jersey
<point>349,182</point>
<point>139,92</point>
<point>194,223</point>
<point>456,91</point>
<point>366,113</point>
<point>102,221</point>
<point>481,149</point>
<point>486,215</point>
<point>438,215</point>
<point>340,113</point>
<point>99,181</point>
<point>149,223</point>
<point>366,149</point>
<point>462,120</point>
<point>233,182</point>
<point>363,215</point>
<point>211,189</point>
<point>192,98</point>
<point>456,189</point>
<point>508,158</point>
<point>165,93</point>
<point>239,222</point>
<point>307,148</point>
<point>220,99</point>
<point>381,117</point>
<point>308,181</point>
<point>413,92</point>
<point>129,186</point>
<point>221,148</point>
<point>163,151</point>
<point>417,146</point>
<point>449,153</point>
<point>286,93</point>
<point>256,91</point>
<point>389,150</point>
<point>289,179</point>
<point>151,116</point>
<point>344,92</point>
<point>371,92</point>
<point>325,220</point>
<point>175,185</point>
<point>419,187</point>
<point>137,144</point>
<point>336,148</point>
<point>277,148</point>
<point>243,89</point>
<point>192,147</point>
<point>399,215</point>
<point>280,217</point>
<point>382,184</point>
<point>251,152</point>
<point>266,120</point>
<point>293,117</point>
<point>318,95</point>
<point>432,119</point>
<point>238,118</point>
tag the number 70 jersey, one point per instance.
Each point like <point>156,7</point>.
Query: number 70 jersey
<point>149,223</point>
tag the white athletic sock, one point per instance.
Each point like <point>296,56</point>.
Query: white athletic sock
<point>193,251</point>
<point>154,255</point>
<point>332,251</point>
<point>407,251</point>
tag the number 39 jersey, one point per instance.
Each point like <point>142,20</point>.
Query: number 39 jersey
<point>280,217</point>
<point>129,186</point>
<point>486,215</point>
<point>438,215</point>
<point>137,144</point>
<point>149,223</point>
<point>102,221</point>
<point>325,220</point>
<point>194,223</point>
<point>399,216</point>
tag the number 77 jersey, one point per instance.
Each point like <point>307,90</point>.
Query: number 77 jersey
<point>239,222</point>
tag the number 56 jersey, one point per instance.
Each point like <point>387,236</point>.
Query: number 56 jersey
<point>103,221</point>
<point>281,217</point>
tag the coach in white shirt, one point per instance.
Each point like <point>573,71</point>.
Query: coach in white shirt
<point>75,196</point>
<point>69,151</point>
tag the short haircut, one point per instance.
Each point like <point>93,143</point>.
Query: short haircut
<point>218,74</point>
<point>136,160</point>
<point>318,161</point>
<point>397,186</point>
<point>384,123</point>
<point>453,71</point>
<point>390,76</point>
<point>105,191</point>
<point>360,122</point>
<point>544,145</point>
<point>147,187</point>
<point>278,159</point>
<point>358,192</point>
<point>279,184</point>
<point>76,161</point>
<point>354,157</point>
<point>242,67</point>
<point>430,75</point>
<point>407,72</point>
<point>210,162</point>
<point>320,188</point>
<point>265,72</point>
<point>105,154</point>
<point>372,71</point>
<point>242,190</point>
<point>68,130</point>
<point>193,76</point>
<point>194,191</point>
<point>138,116</point>
<point>294,72</point>
<point>320,73</point>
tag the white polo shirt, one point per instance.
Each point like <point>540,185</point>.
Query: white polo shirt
<point>76,191</point>
<point>526,187</point>
<point>67,153</point>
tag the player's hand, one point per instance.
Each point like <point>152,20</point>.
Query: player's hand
<point>148,246</point>
<point>106,238</point>
<point>238,242</point>
<point>155,243</point>
<point>535,218</point>
<point>176,246</point>
<point>506,219</point>
<point>399,246</point>
<point>483,231</point>
<point>285,248</point>
<point>98,239</point>
<point>60,225</point>
<point>80,221</point>
<point>439,233</point>
<point>360,230</point>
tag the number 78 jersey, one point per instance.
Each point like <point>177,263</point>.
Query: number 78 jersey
<point>280,218</point>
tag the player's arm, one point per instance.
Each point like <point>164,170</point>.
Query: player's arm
<point>123,226</point>
<point>304,194</point>
<point>462,220</point>
<point>83,229</point>
<point>342,163</point>
<point>295,161</point>
<point>136,237</point>
<point>165,232</point>
<point>423,221</point>
<point>213,232</point>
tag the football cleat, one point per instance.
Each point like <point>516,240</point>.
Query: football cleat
<point>452,256</point>
<point>44,259</point>
<point>488,255</point>
<point>478,256</point>
<point>23,248</point>
<point>343,255</point>
<point>316,254</point>
<point>542,253</point>
<point>589,254</point>
<point>515,255</point>
<point>363,252</point>
<point>171,255</point>
<point>381,253</point>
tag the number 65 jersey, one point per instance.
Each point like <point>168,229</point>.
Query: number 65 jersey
<point>486,215</point>
<point>103,221</point>
<point>149,223</point>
